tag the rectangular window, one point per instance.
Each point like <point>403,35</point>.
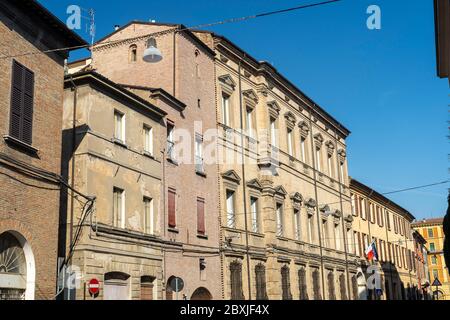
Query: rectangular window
<point>273,132</point>
<point>337,236</point>
<point>119,208</point>
<point>318,160</point>
<point>149,218</point>
<point>148,140</point>
<point>371,213</point>
<point>201,230</point>
<point>249,123</point>
<point>119,126</point>
<point>353,201</point>
<point>231,217</point>
<point>297,226</point>
<point>433,260</point>
<point>330,166</point>
<point>280,231</point>
<point>342,172</point>
<point>351,241</point>
<point>388,220</point>
<point>311,228</point>
<point>290,142</point>
<point>254,214</point>
<point>435,275</point>
<point>226,110</point>
<point>325,235</point>
<point>22,103</point>
<point>432,247</point>
<point>199,163</point>
<point>430,233</point>
<point>170,141</point>
<point>362,207</point>
<point>303,149</point>
<point>172,208</point>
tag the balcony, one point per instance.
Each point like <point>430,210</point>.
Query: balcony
<point>199,166</point>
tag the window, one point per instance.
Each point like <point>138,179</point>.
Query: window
<point>318,160</point>
<point>355,288</point>
<point>147,284</point>
<point>432,247</point>
<point>280,230</point>
<point>316,284</point>
<point>170,142</point>
<point>149,218</point>
<point>342,172</point>
<point>201,230</point>
<point>388,220</point>
<point>430,233</point>
<point>330,166</point>
<point>353,199</point>
<point>351,241</point>
<point>331,287</point>
<point>116,286</point>
<point>273,132</point>
<point>133,53</point>
<point>231,217</point>
<point>325,235</point>
<point>337,236</point>
<point>371,213</point>
<point>342,287</point>
<point>261,292</point>
<point>119,126</point>
<point>303,149</point>
<point>297,226</point>
<point>290,142</point>
<point>357,243</point>
<point>435,274</point>
<point>236,281</point>
<point>119,208</point>
<point>199,163</point>
<point>148,140</point>
<point>226,110</point>
<point>285,283</point>
<point>311,229</point>
<point>172,208</point>
<point>362,208</point>
<point>22,103</point>
<point>302,284</point>
<point>254,213</point>
<point>250,125</point>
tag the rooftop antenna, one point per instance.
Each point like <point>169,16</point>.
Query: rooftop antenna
<point>92,30</point>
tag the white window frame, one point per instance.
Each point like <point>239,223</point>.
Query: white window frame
<point>318,159</point>
<point>119,126</point>
<point>254,214</point>
<point>148,140</point>
<point>149,216</point>
<point>120,211</point>
<point>279,213</point>
<point>290,142</point>
<point>297,225</point>
<point>226,109</point>
<point>303,148</point>
<point>230,205</point>
<point>273,132</point>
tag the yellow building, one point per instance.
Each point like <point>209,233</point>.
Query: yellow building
<point>432,230</point>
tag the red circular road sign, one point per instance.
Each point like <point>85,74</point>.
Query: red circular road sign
<point>94,286</point>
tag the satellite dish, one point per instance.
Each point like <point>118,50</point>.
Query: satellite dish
<point>152,54</point>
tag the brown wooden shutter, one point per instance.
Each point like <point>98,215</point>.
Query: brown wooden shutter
<point>172,212</point>
<point>201,216</point>
<point>22,97</point>
<point>356,205</point>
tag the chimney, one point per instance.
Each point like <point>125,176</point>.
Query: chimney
<point>116,27</point>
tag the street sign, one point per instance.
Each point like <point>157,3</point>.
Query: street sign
<point>177,284</point>
<point>94,287</point>
<point>437,283</point>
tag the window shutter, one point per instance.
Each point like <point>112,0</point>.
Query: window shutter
<point>201,216</point>
<point>356,205</point>
<point>172,213</point>
<point>22,97</point>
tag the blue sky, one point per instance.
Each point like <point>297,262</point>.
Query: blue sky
<point>381,84</point>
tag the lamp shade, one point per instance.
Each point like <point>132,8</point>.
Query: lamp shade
<point>152,54</point>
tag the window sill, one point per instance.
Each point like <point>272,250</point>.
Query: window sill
<point>20,144</point>
<point>119,143</point>
<point>173,230</point>
<point>172,161</point>
<point>202,236</point>
<point>201,174</point>
<point>148,155</point>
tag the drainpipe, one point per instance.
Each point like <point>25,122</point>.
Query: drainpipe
<point>247,249</point>
<point>74,140</point>
<point>319,223</point>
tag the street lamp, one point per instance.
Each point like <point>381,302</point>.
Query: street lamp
<point>152,54</point>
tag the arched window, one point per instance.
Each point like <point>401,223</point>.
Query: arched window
<point>302,284</point>
<point>342,287</point>
<point>133,53</point>
<point>169,291</point>
<point>236,281</point>
<point>286,283</point>
<point>13,266</point>
<point>331,289</point>
<point>261,292</point>
<point>316,285</point>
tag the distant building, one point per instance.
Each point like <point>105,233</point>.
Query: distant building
<point>432,231</point>
<point>30,147</point>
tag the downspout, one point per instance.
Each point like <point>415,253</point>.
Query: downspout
<point>319,223</point>
<point>74,140</point>
<point>244,186</point>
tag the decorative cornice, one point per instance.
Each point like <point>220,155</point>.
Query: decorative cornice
<point>297,197</point>
<point>281,191</point>
<point>251,95</point>
<point>255,184</point>
<point>232,176</point>
<point>227,80</point>
<point>274,107</point>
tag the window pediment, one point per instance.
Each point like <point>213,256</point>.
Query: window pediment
<point>231,175</point>
<point>290,118</point>
<point>342,153</point>
<point>311,203</point>
<point>255,184</point>
<point>280,191</point>
<point>251,95</point>
<point>228,81</point>
<point>297,197</point>
<point>274,107</point>
<point>325,209</point>
<point>318,138</point>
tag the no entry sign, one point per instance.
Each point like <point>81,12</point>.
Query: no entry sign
<point>94,286</point>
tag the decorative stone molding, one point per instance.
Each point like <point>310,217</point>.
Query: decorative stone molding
<point>255,184</point>
<point>274,109</point>
<point>224,59</point>
<point>280,191</point>
<point>264,91</point>
<point>296,199</point>
<point>337,214</point>
<point>250,96</point>
<point>290,120</point>
<point>318,139</point>
<point>287,99</point>
<point>330,147</point>
<point>247,74</point>
<point>311,203</point>
<point>231,175</point>
<point>304,128</point>
<point>342,155</point>
<point>228,81</point>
